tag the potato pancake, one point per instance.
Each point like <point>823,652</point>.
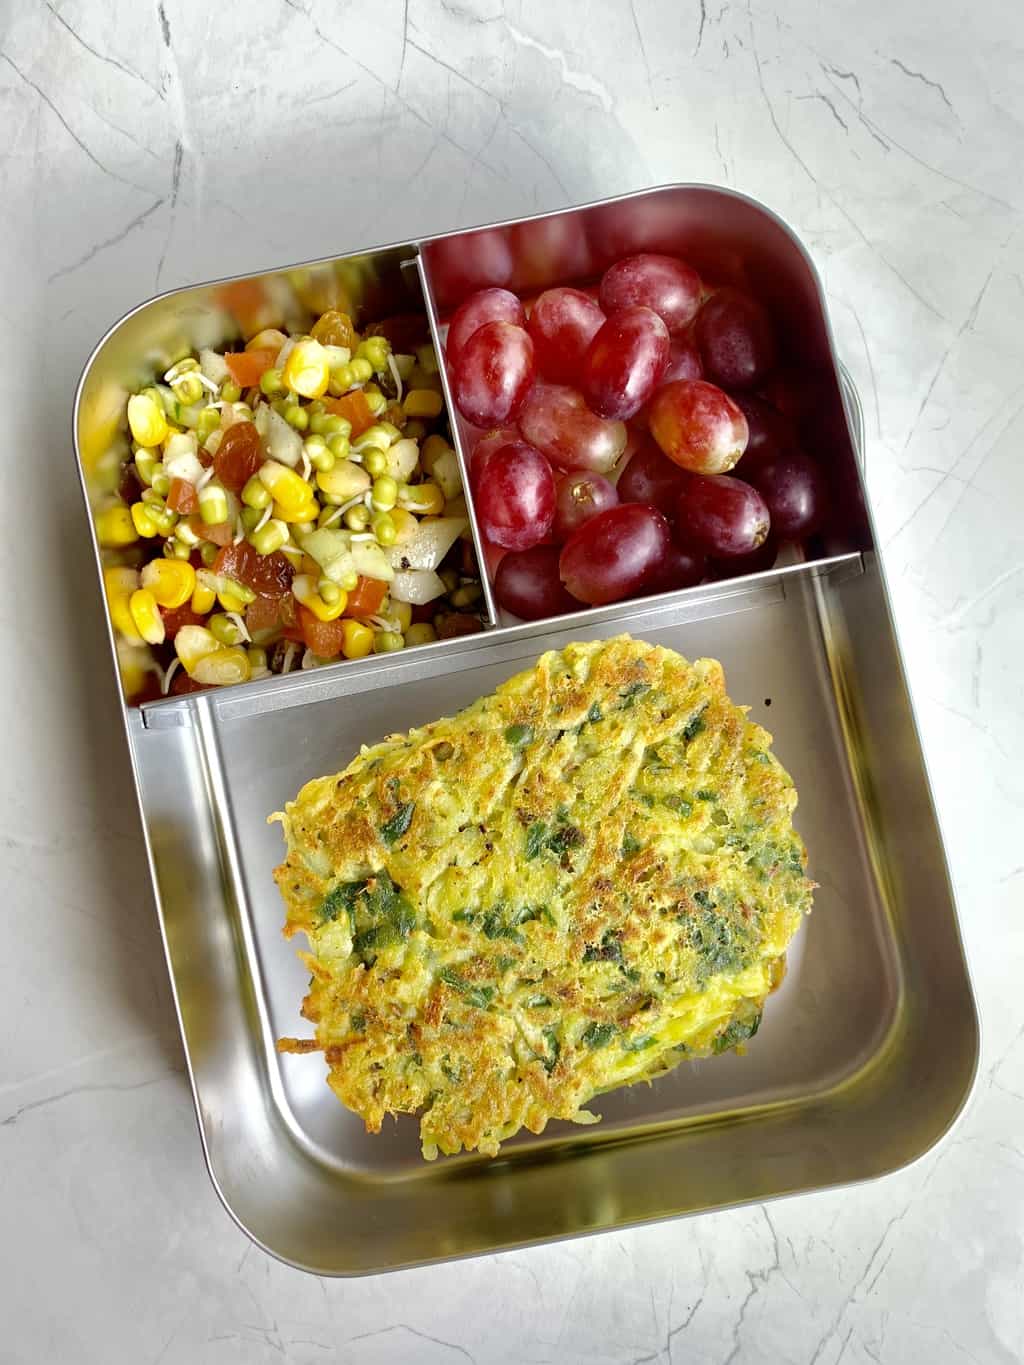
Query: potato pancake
<point>577,883</point>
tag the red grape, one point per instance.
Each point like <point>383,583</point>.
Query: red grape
<point>492,440</point>
<point>663,283</point>
<point>736,339</point>
<point>514,492</point>
<point>792,392</point>
<point>493,373</point>
<point>769,432</point>
<point>683,360</point>
<point>468,261</point>
<point>723,516</point>
<point>563,323</point>
<point>758,561</point>
<point>698,426</point>
<point>652,478</point>
<point>549,249</point>
<point>624,362</point>
<point>794,492</point>
<point>683,566</point>
<point>486,305</point>
<point>580,495</point>
<point>558,422</point>
<point>683,363</point>
<point>613,554</point>
<point>527,584</point>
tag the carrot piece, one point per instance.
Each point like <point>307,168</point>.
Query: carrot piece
<point>324,638</point>
<point>246,367</point>
<point>354,407</point>
<point>366,598</point>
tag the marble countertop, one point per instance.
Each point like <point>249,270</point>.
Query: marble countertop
<point>148,146</point>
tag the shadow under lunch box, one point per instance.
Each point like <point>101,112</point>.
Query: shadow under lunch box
<point>870,1046</point>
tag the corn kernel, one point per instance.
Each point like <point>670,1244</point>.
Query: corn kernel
<point>223,667</point>
<point>116,527</point>
<point>146,615</point>
<point>143,519</point>
<point>306,370</point>
<point>290,491</point>
<point>119,584</point>
<point>422,403</point>
<point>203,599</point>
<point>146,420</point>
<point>356,640</point>
<point>193,643</point>
<point>304,588</point>
<point>231,601</point>
<point>295,516</point>
<point>171,581</point>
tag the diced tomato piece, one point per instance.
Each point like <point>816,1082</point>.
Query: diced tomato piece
<point>246,367</point>
<point>182,497</point>
<point>176,617</point>
<point>324,638</point>
<point>238,456</point>
<point>220,534</point>
<point>268,612</point>
<point>458,623</point>
<point>267,574</point>
<point>366,598</point>
<point>355,408</point>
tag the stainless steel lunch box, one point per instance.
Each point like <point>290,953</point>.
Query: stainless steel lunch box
<point>870,1047</point>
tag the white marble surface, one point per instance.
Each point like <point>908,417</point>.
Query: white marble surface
<point>149,145</point>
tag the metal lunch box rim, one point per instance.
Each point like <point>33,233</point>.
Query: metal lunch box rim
<point>847,389</point>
